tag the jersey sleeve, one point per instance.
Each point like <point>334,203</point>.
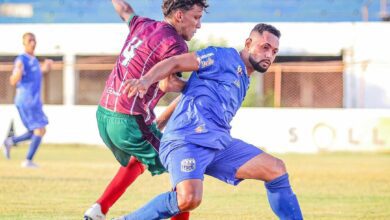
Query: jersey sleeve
<point>130,19</point>
<point>208,60</point>
<point>18,59</point>
<point>135,21</point>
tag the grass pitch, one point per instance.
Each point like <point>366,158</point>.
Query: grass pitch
<point>71,177</point>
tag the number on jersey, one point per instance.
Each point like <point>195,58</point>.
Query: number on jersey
<point>129,51</point>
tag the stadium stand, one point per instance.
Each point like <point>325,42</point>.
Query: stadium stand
<point>100,11</point>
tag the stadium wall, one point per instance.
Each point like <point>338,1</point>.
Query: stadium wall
<point>275,130</point>
<point>365,48</point>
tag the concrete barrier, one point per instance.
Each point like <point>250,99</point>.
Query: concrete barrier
<point>275,130</point>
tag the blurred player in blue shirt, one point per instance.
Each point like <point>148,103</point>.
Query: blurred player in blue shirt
<point>197,139</point>
<point>27,77</point>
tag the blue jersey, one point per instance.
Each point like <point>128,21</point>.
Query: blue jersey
<point>211,98</point>
<point>28,89</point>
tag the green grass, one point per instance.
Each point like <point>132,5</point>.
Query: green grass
<point>329,186</point>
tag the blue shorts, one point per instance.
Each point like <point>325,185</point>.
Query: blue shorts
<point>192,161</point>
<point>32,117</point>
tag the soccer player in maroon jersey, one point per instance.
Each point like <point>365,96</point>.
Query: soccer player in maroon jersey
<point>125,124</point>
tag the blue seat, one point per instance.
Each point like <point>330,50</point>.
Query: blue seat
<point>101,11</point>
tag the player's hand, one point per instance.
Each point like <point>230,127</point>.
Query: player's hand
<point>48,62</point>
<point>136,87</point>
<point>47,65</point>
<point>161,122</point>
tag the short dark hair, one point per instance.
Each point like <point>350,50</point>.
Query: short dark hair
<point>169,6</point>
<point>261,27</point>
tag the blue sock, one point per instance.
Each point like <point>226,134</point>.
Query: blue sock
<point>23,137</point>
<point>35,141</point>
<point>282,199</point>
<point>161,207</point>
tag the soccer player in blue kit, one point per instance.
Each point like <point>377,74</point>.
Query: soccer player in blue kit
<point>27,77</point>
<point>197,138</point>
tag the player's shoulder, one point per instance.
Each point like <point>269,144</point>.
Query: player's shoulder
<point>135,19</point>
<point>217,51</point>
<point>226,50</point>
<point>21,56</point>
<point>137,23</point>
<point>156,29</point>
<point>20,59</point>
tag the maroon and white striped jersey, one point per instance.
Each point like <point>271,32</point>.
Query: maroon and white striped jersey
<point>148,43</point>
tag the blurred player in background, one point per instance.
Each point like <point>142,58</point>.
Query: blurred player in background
<point>197,138</point>
<point>125,124</point>
<point>27,77</point>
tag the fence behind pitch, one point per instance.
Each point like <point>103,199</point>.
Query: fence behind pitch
<point>297,84</point>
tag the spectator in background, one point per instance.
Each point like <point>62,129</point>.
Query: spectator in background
<point>27,77</point>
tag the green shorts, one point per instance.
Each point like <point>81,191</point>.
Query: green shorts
<point>128,135</point>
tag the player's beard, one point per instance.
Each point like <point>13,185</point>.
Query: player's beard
<point>256,65</point>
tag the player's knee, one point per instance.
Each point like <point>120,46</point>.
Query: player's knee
<point>188,202</point>
<point>141,167</point>
<point>40,132</point>
<point>279,168</point>
<point>134,162</point>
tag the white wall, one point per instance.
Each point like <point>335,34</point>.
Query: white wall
<point>313,130</point>
<point>276,130</point>
<point>366,46</point>
<point>67,124</point>
<point>297,38</point>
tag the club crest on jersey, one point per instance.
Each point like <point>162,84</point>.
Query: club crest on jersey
<point>188,165</point>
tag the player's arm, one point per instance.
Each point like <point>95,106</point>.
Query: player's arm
<point>164,117</point>
<point>17,73</point>
<point>123,8</point>
<point>172,83</point>
<point>47,66</point>
<point>180,63</point>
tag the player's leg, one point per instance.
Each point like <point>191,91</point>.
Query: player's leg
<point>34,119</point>
<point>127,173</point>
<point>115,189</point>
<point>186,166</point>
<point>169,204</point>
<point>13,140</point>
<point>27,122</point>
<point>272,170</point>
<point>181,216</point>
<point>24,137</point>
<point>129,137</point>
<point>118,185</point>
<point>36,140</point>
<point>153,135</point>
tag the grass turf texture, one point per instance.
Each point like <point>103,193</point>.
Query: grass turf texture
<point>329,186</point>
